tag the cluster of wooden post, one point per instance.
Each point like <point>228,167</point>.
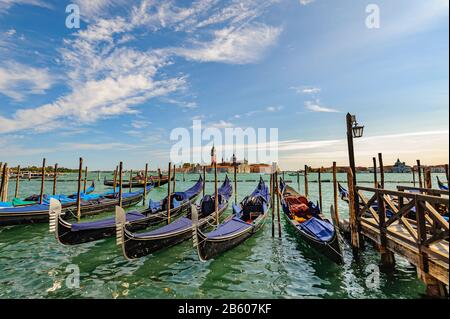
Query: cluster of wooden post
<point>275,199</point>
<point>4,182</point>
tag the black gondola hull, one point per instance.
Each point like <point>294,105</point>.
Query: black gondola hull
<point>137,248</point>
<point>209,249</point>
<point>87,209</point>
<point>68,237</point>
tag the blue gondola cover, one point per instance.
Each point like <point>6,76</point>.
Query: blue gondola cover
<point>318,228</point>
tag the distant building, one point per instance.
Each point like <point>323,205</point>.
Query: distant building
<point>400,167</point>
<point>261,168</point>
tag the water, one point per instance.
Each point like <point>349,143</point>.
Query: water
<point>33,264</point>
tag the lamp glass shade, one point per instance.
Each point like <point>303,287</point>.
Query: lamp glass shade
<point>358,131</point>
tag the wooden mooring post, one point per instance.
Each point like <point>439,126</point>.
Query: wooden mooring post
<point>204,180</point>
<point>80,169</point>
<point>414,176</point>
<point>319,180</point>
<point>85,179</point>
<point>335,211</point>
<point>428,180</point>
<point>169,193</point>
<point>16,192</point>
<point>387,257</point>
<point>375,173</point>
<point>130,184</point>
<point>380,162</point>
<point>446,171</point>
<point>235,184</point>
<point>298,181</point>
<point>160,176</point>
<point>4,183</point>
<point>306,181</point>
<point>174,178</point>
<point>272,199</point>
<point>419,170</point>
<point>145,183</point>
<point>41,197</point>
<point>354,229</point>
<point>115,180</point>
<point>120,184</point>
<point>277,187</point>
<point>216,195</point>
<point>55,177</point>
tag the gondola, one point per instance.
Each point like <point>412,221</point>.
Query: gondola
<point>35,199</point>
<point>154,181</point>
<point>309,224</point>
<point>441,185</point>
<point>136,245</point>
<point>83,232</point>
<point>343,193</point>
<point>248,217</point>
<point>90,205</point>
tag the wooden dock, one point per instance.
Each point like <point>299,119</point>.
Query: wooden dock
<point>407,222</point>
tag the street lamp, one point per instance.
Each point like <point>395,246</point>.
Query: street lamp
<point>357,129</point>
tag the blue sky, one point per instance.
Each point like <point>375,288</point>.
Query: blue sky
<point>115,88</point>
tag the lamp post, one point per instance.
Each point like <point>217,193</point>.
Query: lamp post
<point>354,130</point>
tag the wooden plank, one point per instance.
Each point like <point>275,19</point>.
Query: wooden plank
<point>428,198</point>
<point>367,206</point>
<point>443,223</point>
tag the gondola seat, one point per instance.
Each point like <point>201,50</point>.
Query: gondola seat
<point>105,223</point>
<point>232,226</point>
<point>179,224</point>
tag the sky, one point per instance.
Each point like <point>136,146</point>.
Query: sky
<point>115,88</point>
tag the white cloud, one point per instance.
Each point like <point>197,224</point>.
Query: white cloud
<point>10,32</point>
<point>140,124</point>
<point>307,90</point>
<point>5,5</point>
<point>18,80</point>
<point>95,9</point>
<point>183,104</point>
<point>274,108</point>
<point>105,78</point>
<point>234,46</point>
<point>315,106</point>
<point>306,2</point>
<point>220,125</point>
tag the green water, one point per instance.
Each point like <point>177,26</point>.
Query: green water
<point>33,264</point>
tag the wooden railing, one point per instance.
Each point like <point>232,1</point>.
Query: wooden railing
<point>425,191</point>
<point>419,214</point>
